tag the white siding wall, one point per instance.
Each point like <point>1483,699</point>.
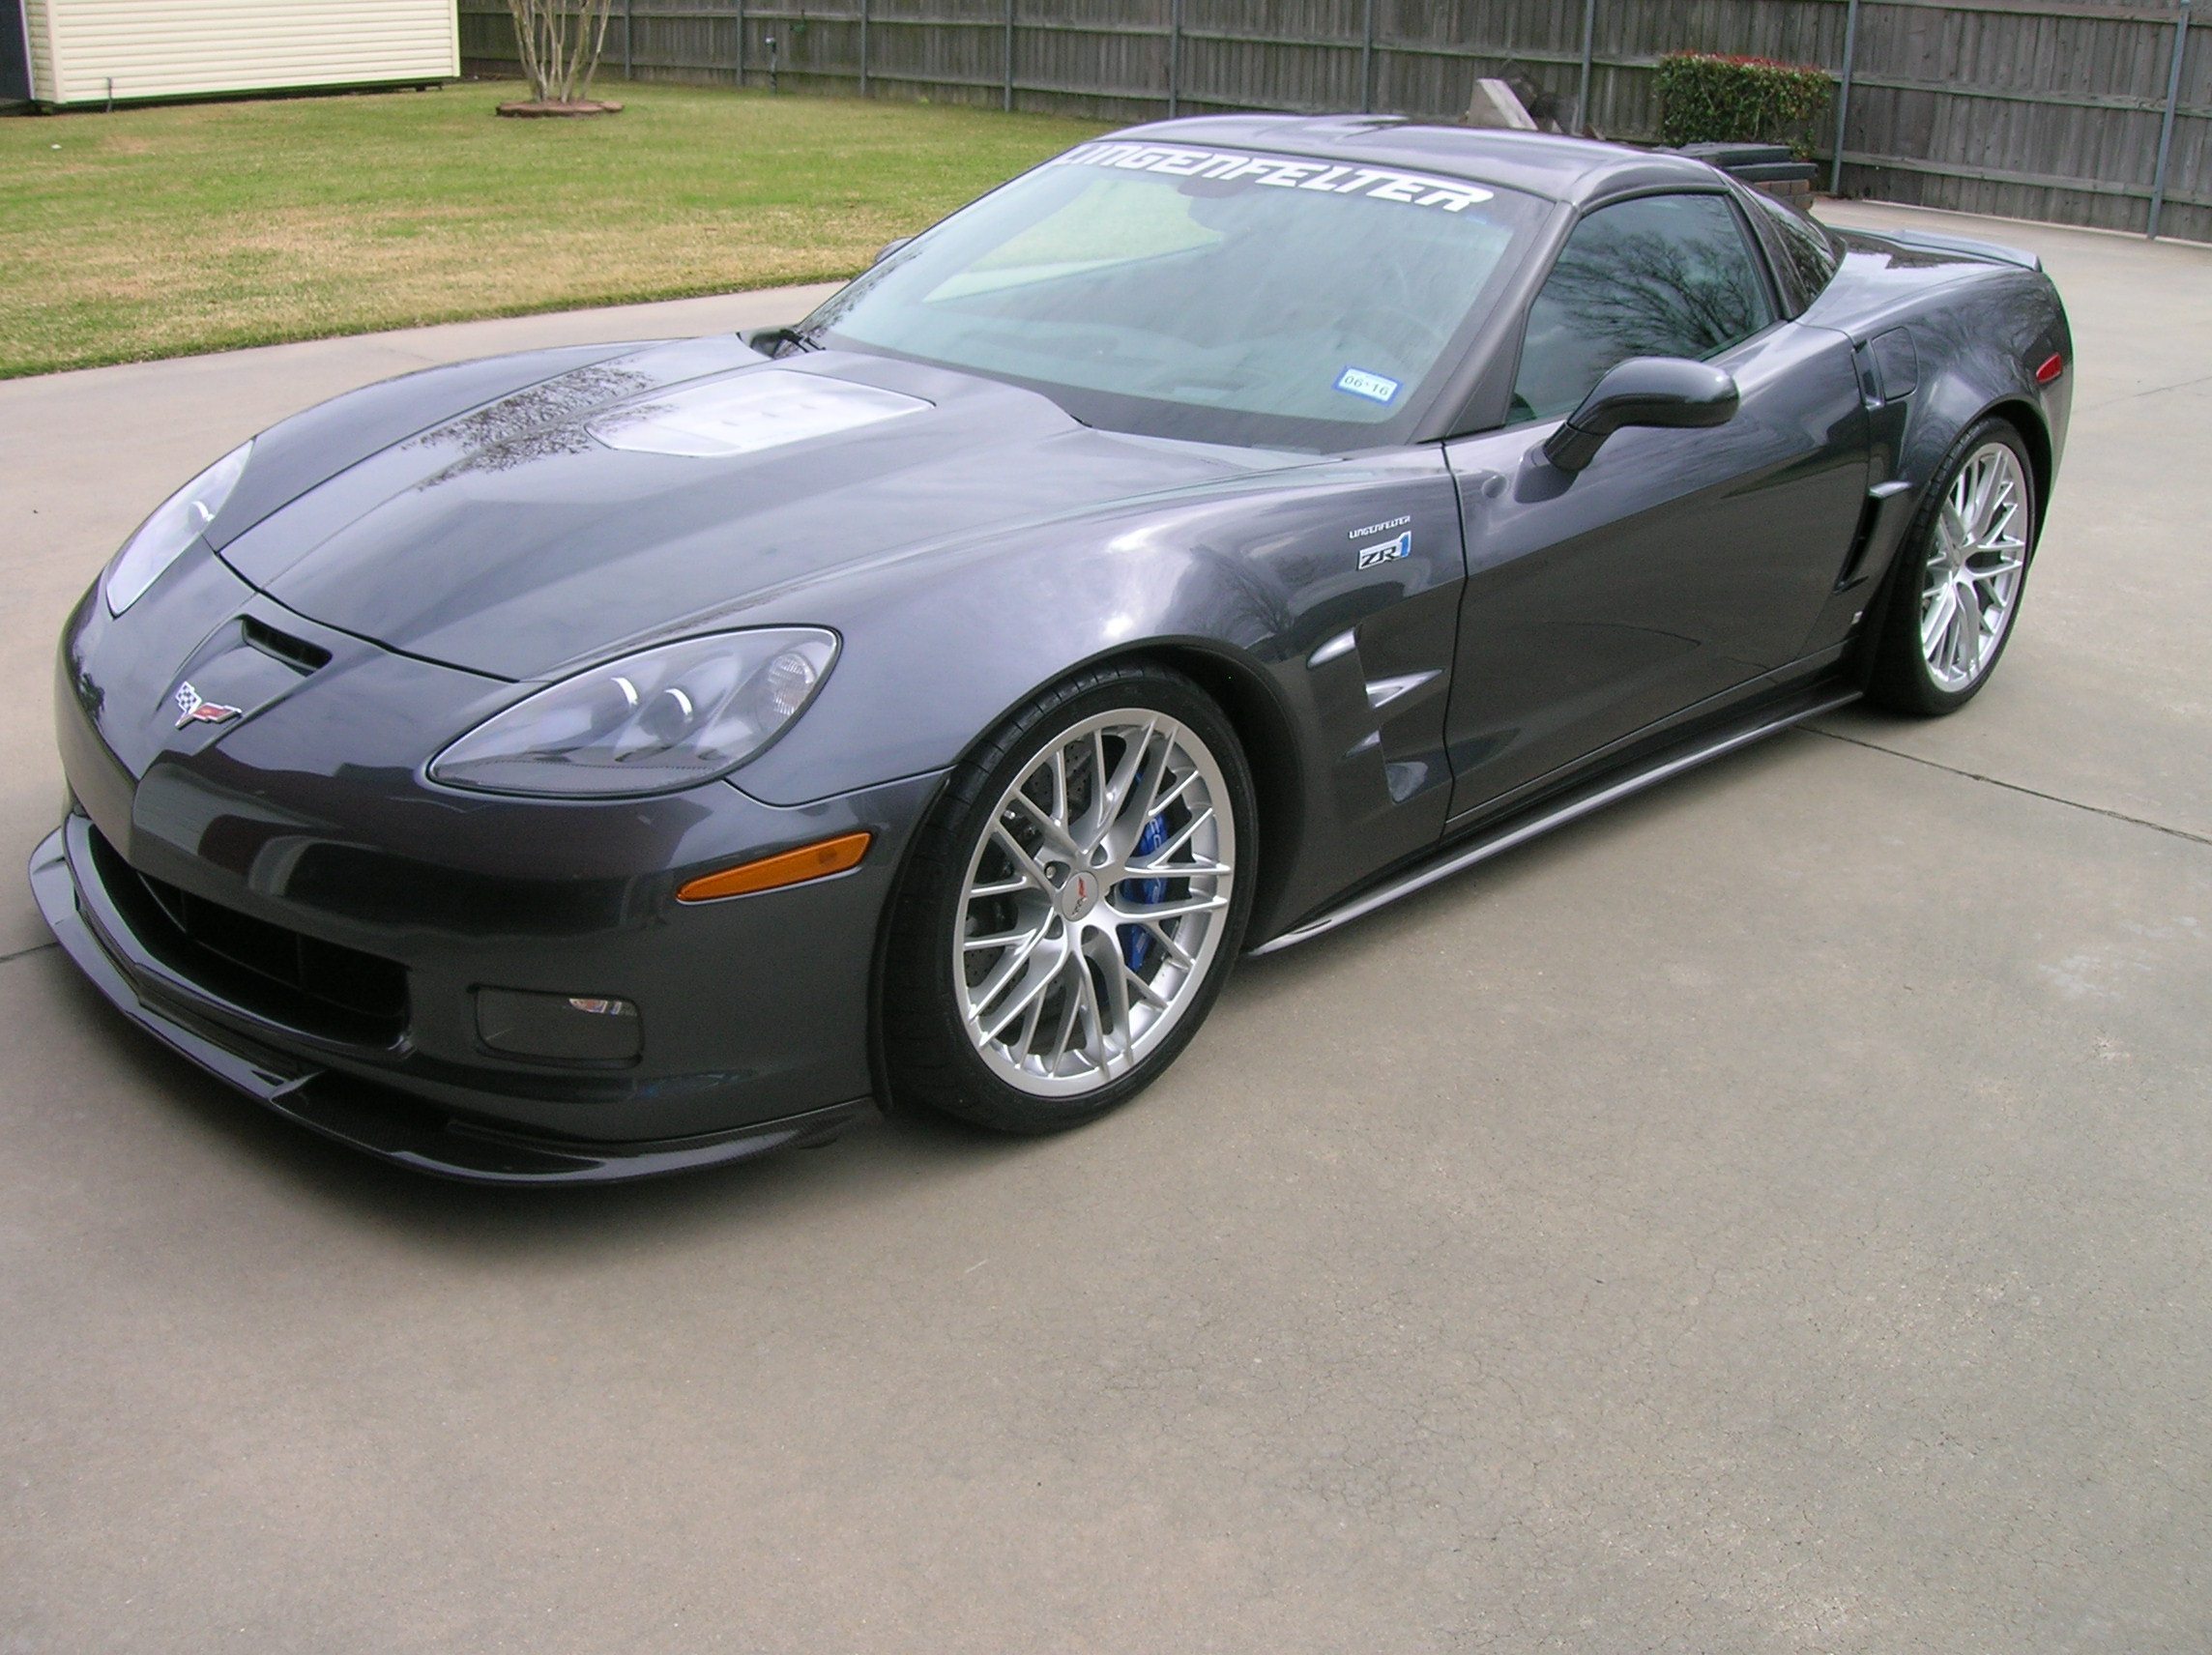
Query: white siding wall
<point>173,48</point>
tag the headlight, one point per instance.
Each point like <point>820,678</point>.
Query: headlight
<point>651,722</point>
<point>173,527</point>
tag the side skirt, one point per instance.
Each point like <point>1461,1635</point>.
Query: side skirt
<point>1457,854</point>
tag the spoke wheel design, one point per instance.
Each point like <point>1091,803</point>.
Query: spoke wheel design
<point>1976,557</point>
<point>1095,902</point>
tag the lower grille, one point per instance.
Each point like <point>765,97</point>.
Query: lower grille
<point>301,981</point>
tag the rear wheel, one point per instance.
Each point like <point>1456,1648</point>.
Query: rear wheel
<point>1073,904</point>
<point>1961,572</point>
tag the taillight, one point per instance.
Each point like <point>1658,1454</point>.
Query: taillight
<point>2054,365</point>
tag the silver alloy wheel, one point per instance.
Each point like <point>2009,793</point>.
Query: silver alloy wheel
<point>1094,904</point>
<point>1975,559</point>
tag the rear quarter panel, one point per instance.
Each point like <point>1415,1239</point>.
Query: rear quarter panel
<point>1978,329</point>
<point>1943,334</point>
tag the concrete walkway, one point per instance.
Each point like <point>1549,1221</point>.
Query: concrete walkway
<point>1774,1216</point>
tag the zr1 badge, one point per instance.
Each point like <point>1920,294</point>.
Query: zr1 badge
<point>1386,551</point>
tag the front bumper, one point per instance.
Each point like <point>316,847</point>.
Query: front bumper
<point>90,928</point>
<point>304,827</point>
<point>356,1113</point>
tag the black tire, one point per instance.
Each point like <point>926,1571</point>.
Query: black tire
<point>929,1057</point>
<point>1899,676</point>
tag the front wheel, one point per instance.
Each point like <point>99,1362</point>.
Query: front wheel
<point>1073,904</point>
<point>1956,591</point>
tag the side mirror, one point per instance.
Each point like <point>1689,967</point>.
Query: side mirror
<point>1643,391</point>
<point>887,248</point>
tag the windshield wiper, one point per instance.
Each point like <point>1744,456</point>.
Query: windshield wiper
<point>782,342</point>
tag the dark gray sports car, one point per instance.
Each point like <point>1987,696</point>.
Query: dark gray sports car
<point>612,760</point>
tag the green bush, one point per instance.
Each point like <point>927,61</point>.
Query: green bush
<point>1707,99</point>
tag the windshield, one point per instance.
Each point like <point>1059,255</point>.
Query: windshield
<point>1222,295</point>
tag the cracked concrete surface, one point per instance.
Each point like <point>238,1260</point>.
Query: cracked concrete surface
<point>1773,1216</point>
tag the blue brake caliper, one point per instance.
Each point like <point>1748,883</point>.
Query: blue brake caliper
<point>1136,941</point>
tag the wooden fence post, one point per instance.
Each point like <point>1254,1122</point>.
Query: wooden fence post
<point>1367,62</point>
<point>1174,57</point>
<point>1844,97</point>
<point>2165,125</point>
<point>1589,52</point>
<point>863,47</point>
<point>1008,100</point>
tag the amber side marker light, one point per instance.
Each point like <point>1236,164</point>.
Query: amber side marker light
<point>790,867</point>
<point>2051,369</point>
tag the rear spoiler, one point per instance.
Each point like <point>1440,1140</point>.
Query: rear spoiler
<point>1995,251</point>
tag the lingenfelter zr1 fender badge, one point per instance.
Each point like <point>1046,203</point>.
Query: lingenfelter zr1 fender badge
<point>1386,551</point>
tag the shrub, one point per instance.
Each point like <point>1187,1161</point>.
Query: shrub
<point>1706,99</point>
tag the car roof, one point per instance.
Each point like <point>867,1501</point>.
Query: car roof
<point>1575,170</point>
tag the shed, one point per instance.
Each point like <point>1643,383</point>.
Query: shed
<point>90,51</point>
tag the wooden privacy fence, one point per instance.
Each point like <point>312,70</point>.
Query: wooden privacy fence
<point>2071,110</point>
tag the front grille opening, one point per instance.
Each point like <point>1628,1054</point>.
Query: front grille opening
<point>301,981</point>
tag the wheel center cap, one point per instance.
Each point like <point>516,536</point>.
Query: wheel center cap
<point>1079,895</point>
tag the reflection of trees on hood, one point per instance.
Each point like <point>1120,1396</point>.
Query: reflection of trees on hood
<point>1644,294</point>
<point>537,423</point>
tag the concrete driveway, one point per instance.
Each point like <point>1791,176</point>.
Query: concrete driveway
<point>1772,1217</point>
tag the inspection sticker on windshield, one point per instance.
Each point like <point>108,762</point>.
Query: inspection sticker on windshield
<point>1377,183</point>
<point>1371,386</point>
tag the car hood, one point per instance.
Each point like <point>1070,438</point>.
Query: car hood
<point>666,492</point>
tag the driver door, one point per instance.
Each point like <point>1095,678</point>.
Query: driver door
<point>1681,564</point>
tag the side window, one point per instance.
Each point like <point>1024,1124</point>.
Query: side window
<point>1803,252</point>
<point>1663,275</point>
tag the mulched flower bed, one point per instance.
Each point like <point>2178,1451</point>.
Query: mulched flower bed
<point>533,109</point>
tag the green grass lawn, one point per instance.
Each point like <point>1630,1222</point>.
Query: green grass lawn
<point>158,232</point>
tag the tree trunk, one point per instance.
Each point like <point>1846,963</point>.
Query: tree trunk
<point>560,41</point>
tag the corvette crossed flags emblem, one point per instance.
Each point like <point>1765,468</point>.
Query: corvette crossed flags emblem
<point>196,708</point>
